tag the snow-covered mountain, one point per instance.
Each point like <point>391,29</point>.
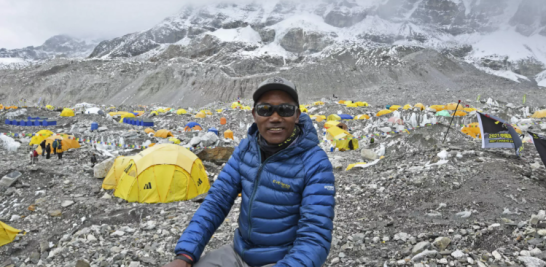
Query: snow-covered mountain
<point>502,37</point>
<point>54,47</point>
<point>383,51</point>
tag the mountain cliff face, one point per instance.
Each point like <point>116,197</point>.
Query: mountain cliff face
<point>218,51</point>
<point>56,46</point>
<point>467,29</point>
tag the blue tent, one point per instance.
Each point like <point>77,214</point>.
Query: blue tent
<point>213,130</point>
<point>346,117</point>
<point>192,124</point>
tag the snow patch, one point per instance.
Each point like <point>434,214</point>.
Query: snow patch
<point>245,35</point>
<point>510,75</point>
<point>541,79</point>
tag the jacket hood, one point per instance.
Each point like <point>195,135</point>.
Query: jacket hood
<point>307,139</point>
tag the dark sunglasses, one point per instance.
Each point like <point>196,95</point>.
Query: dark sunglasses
<point>284,110</point>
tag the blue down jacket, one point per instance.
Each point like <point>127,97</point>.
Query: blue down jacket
<point>287,204</point>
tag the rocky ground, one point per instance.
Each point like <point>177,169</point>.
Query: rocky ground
<point>426,203</point>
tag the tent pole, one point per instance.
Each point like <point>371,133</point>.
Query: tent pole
<point>452,117</point>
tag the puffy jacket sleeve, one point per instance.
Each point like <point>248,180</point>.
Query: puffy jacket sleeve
<point>314,234</point>
<point>212,211</point>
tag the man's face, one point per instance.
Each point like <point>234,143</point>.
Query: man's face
<point>276,129</point>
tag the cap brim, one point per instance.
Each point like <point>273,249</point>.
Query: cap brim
<point>275,86</point>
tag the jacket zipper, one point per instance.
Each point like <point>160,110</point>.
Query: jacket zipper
<point>257,182</point>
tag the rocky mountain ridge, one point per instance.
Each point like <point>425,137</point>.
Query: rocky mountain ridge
<point>217,52</point>
<point>54,47</point>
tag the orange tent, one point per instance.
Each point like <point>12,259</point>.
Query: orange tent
<point>223,121</point>
<point>163,133</point>
<point>453,106</point>
<point>228,134</point>
<point>438,108</point>
<point>149,130</point>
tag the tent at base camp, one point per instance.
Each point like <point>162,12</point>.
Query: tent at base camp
<point>163,173</point>
<point>67,113</point>
<point>67,142</point>
<point>342,139</point>
<point>40,136</point>
<point>115,172</point>
<point>163,133</point>
<point>7,233</point>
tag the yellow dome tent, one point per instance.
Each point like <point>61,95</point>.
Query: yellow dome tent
<point>154,113</point>
<point>472,129</point>
<point>175,141</point>
<point>342,139</point>
<point>235,105</point>
<point>395,107</point>
<point>161,174</point>
<point>112,178</point>
<point>460,113</point>
<point>329,124</point>
<point>352,105</point>
<point>200,115</point>
<point>247,108</point>
<point>207,112</point>
<point>438,108</point>
<point>67,142</point>
<point>7,233</point>
<point>160,110</point>
<point>383,112</point>
<point>333,117</point>
<point>539,114</point>
<point>419,105</point>
<point>407,106</point>
<point>341,102</point>
<point>50,107</point>
<point>149,130</point>
<point>163,133</point>
<point>453,106</point>
<point>303,109</point>
<point>39,137</point>
<point>126,115</point>
<point>361,104</point>
<point>362,117</point>
<point>67,113</point>
<point>318,103</point>
<point>228,134</point>
<point>1,107</point>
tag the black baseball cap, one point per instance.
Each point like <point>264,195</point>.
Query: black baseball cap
<point>276,83</point>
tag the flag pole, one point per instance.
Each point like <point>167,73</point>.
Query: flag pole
<point>452,117</point>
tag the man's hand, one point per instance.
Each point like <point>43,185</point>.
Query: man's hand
<point>177,263</point>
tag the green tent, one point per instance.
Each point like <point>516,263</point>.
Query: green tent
<point>444,113</point>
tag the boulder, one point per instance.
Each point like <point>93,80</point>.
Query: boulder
<point>216,154</point>
<point>101,170</point>
<point>297,40</point>
<point>442,242</point>
<point>9,179</point>
<point>368,154</point>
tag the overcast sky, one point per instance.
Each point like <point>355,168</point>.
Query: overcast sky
<point>31,22</point>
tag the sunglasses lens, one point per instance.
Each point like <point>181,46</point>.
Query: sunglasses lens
<point>286,110</point>
<point>264,110</point>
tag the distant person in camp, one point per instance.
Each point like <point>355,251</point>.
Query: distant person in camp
<point>48,151</point>
<point>93,160</point>
<point>287,188</point>
<point>33,156</point>
<point>43,146</point>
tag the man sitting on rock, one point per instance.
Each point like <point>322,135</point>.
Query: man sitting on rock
<point>287,187</point>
